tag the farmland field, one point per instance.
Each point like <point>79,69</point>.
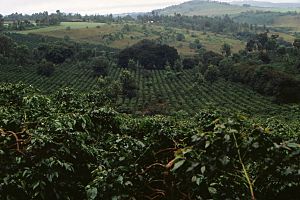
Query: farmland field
<point>175,92</point>
<point>63,26</point>
<point>292,23</point>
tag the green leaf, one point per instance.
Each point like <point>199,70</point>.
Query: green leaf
<point>212,190</point>
<point>207,143</point>
<point>293,145</point>
<point>203,169</point>
<point>36,185</point>
<point>92,193</point>
<point>255,145</point>
<point>177,165</point>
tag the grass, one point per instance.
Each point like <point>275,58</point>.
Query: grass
<point>206,8</point>
<point>63,26</point>
<point>290,22</point>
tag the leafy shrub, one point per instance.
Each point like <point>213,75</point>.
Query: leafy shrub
<point>65,147</point>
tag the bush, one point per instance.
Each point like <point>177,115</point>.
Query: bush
<point>46,68</point>
<point>100,66</point>
<point>212,73</point>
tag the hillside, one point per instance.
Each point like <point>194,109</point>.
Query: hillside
<point>215,8</point>
<point>203,8</point>
<point>267,4</point>
<point>114,35</point>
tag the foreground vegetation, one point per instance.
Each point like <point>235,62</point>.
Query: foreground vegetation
<point>70,146</point>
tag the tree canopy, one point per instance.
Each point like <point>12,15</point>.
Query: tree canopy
<point>149,54</point>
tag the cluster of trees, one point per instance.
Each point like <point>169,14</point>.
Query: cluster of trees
<point>18,21</point>
<point>224,25</point>
<point>11,52</point>
<point>46,55</point>
<point>1,23</point>
<point>149,54</point>
<point>261,17</point>
<point>44,18</point>
<point>254,66</point>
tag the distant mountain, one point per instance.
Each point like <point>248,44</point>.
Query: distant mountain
<point>266,4</point>
<point>201,7</point>
<point>216,8</point>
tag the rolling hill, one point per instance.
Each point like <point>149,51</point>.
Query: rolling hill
<point>203,8</point>
<point>216,8</point>
<point>266,4</point>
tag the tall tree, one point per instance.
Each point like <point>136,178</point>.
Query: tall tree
<point>1,23</point>
<point>226,49</point>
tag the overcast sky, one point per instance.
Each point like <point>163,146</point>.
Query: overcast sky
<point>89,6</point>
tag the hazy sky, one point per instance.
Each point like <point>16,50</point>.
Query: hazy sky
<point>89,6</point>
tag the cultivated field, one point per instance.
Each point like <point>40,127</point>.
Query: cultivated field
<point>156,87</point>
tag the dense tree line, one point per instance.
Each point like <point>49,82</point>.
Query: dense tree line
<point>223,25</point>
<point>45,18</point>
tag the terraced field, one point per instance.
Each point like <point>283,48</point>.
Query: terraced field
<point>155,87</point>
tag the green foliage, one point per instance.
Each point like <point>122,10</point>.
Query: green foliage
<point>226,49</point>
<point>46,68</point>
<point>64,146</point>
<point>1,23</point>
<point>100,66</point>
<point>128,84</point>
<point>212,73</point>
<point>180,37</point>
<point>149,55</point>
<point>6,45</point>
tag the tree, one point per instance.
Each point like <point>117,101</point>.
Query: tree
<point>212,73</point>
<point>100,66</point>
<point>132,64</point>
<point>180,37</point>
<point>296,43</point>
<point>226,50</point>
<point>1,23</point>
<point>45,68</point>
<point>128,84</point>
<point>178,66</point>
<point>271,45</point>
<point>250,46</point>
<point>22,54</point>
<point>7,45</point>
<point>148,54</point>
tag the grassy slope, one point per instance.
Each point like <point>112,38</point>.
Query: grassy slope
<point>291,22</point>
<point>64,25</point>
<point>94,35</point>
<point>205,8</point>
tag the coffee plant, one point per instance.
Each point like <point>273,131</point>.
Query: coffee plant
<point>69,145</point>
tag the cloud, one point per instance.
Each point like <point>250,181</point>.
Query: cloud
<point>82,6</point>
<point>89,6</point>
